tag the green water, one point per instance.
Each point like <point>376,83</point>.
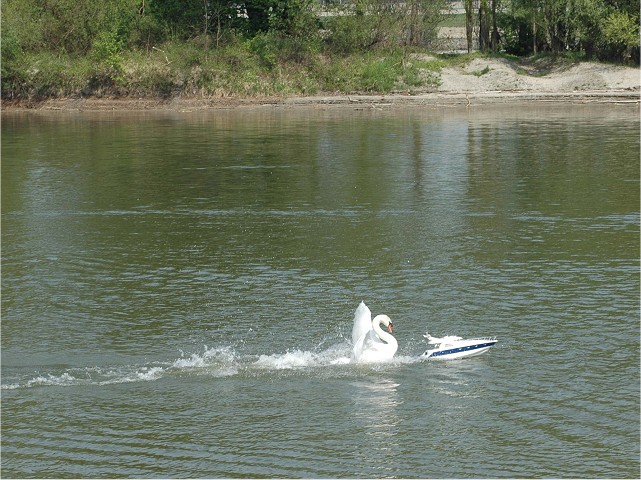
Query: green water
<point>178,290</point>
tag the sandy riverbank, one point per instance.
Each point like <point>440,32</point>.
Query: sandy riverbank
<point>480,82</point>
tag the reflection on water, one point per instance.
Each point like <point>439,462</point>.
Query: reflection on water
<point>375,409</point>
<point>178,289</point>
<point>375,405</point>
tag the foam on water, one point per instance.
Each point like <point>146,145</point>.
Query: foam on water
<point>215,362</point>
<point>295,359</point>
<point>90,376</point>
<point>338,354</point>
<point>208,357</point>
<point>64,379</point>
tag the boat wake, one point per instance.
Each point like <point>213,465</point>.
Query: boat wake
<point>214,362</point>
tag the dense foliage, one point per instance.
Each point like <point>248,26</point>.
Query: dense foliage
<point>605,29</point>
<point>253,47</point>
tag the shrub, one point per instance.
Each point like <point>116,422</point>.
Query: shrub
<point>107,49</point>
<point>379,75</point>
<point>620,35</point>
<point>41,75</point>
<point>264,45</point>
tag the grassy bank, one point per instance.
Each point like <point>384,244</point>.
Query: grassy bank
<point>243,69</point>
<point>246,73</point>
<point>198,49</point>
<point>126,48</point>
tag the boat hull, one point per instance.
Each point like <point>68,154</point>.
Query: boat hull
<point>466,348</point>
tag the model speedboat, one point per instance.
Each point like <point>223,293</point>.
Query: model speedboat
<point>452,347</point>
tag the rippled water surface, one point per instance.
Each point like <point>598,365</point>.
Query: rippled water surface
<point>178,290</point>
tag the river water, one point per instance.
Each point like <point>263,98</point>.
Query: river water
<point>178,290</point>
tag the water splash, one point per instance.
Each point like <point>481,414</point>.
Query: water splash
<point>213,362</point>
<point>299,359</point>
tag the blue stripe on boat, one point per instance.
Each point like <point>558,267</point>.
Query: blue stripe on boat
<point>462,349</point>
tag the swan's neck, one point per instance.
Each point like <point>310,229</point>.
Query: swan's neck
<point>383,335</point>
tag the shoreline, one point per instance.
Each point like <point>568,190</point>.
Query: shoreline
<point>431,100</point>
<point>480,82</point>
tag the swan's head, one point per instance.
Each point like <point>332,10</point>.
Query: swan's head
<point>385,320</point>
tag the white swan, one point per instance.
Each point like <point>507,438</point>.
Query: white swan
<point>370,342</point>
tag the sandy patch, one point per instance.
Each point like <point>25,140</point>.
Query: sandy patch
<point>492,75</point>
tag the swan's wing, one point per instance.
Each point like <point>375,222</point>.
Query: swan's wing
<point>373,340</point>
<point>362,323</point>
<point>373,349</point>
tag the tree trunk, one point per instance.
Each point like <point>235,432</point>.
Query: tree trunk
<point>468,25</point>
<point>494,41</point>
<point>534,27</point>
<point>413,27</point>
<point>484,26</point>
<point>206,23</point>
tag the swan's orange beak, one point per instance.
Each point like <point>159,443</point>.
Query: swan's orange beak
<point>389,327</point>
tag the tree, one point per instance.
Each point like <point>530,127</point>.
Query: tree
<point>420,20</point>
<point>182,18</point>
<point>65,25</point>
<point>367,24</point>
<point>469,24</point>
<point>484,26</point>
<point>295,18</point>
<point>258,14</point>
<point>621,35</point>
<point>494,41</point>
<point>487,24</point>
